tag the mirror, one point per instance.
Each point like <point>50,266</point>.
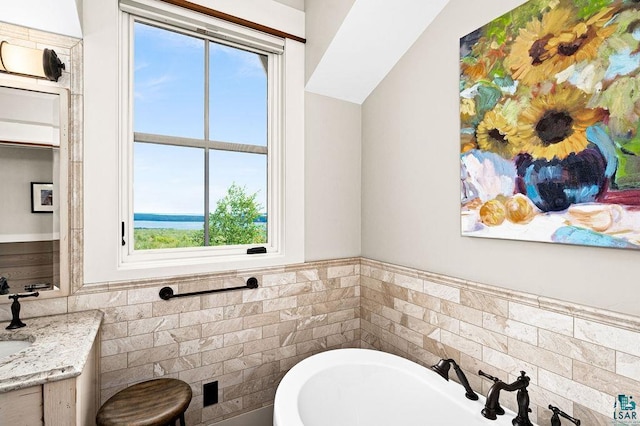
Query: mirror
<point>33,165</point>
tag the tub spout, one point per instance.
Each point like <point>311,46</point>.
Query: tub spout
<point>442,368</point>
<point>520,385</point>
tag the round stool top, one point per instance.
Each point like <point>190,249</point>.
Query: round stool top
<point>151,403</point>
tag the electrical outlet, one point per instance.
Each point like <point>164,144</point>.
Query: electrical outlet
<point>210,393</point>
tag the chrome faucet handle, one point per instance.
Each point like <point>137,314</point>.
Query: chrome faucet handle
<point>557,413</point>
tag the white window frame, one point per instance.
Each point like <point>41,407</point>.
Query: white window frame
<point>285,200</point>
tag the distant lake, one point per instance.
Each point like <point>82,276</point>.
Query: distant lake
<point>167,221</point>
<point>173,221</point>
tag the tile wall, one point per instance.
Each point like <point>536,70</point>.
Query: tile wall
<point>578,358</point>
<point>246,340</point>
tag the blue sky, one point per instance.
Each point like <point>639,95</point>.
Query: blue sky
<point>169,100</point>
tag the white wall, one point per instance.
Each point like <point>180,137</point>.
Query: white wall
<point>322,20</point>
<point>332,178</point>
<point>410,177</point>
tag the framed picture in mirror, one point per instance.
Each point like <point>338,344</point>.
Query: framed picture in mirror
<point>41,197</point>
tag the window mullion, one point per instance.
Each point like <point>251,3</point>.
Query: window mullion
<point>206,138</point>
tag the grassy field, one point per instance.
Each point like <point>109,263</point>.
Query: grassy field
<point>157,238</point>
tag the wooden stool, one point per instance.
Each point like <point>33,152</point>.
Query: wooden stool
<point>156,402</point>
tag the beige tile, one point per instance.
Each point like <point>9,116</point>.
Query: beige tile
<point>113,362</point>
<point>177,335</point>
<point>176,365</point>
<point>577,349</point>
<point>242,363</point>
<point>442,291</point>
<point>307,275</point>
<point>222,327</point>
<point>628,365</point>
<point>200,317</point>
<point>87,302</point>
<point>541,318</point>
<point>278,279</point>
<point>407,334</point>
<point>127,313</point>
<point>245,309</point>
<point>484,337</point>
<point>204,344</point>
<point>267,318</point>
<point>551,361</point>
<point>515,329</point>
<point>510,364</point>
<point>411,283</point>
<point>311,322</point>
<point>223,354</point>
<point>462,344</point>
<point>594,399</point>
<point>279,304</point>
<point>126,344</point>
<point>151,355</point>
<point>204,373</point>
<point>463,313</point>
<point>114,331</point>
<point>242,336</point>
<point>408,308</point>
<point>340,271</point>
<point>443,321</point>
<point>294,289</point>
<point>484,302</point>
<point>176,306</point>
<point>311,346</point>
<point>150,325</point>
<point>604,381</point>
<point>126,377</point>
<point>260,294</point>
<point>608,336</point>
<point>261,345</point>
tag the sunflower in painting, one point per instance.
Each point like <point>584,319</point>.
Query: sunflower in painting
<point>557,123</point>
<point>497,134</point>
<point>581,42</point>
<point>530,58</point>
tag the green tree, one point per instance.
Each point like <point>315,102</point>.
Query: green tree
<point>234,220</point>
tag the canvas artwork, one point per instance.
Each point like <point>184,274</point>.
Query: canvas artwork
<point>550,117</point>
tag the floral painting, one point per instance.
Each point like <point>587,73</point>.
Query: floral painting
<point>550,117</point>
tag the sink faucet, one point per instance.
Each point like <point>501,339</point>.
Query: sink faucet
<point>15,310</point>
<point>521,383</point>
<point>442,368</point>
<point>555,419</point>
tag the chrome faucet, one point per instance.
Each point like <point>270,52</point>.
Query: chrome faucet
<point>442,368</point>
<point>521,383</point>
<point>557,413</point>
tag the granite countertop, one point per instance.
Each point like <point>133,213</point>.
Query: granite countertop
<point>61,346</point>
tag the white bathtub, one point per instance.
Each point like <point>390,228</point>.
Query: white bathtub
<point>361,387</point>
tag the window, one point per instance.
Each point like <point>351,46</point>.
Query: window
<point>202,154</point>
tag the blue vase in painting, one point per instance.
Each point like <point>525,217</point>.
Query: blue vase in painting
<point>553,185</point>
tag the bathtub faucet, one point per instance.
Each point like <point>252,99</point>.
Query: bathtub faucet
<point>557,413</point>
<point>521,383</point>
<point>442,368</point>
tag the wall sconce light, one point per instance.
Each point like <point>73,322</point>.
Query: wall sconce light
<point>27,61</point>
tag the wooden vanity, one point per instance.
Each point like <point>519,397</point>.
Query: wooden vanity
<point>54,381</point>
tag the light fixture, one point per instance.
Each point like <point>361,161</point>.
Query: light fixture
<point>27,61</point>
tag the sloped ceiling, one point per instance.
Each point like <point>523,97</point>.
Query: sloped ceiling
<point>58,17</point>
<point>373,37</point>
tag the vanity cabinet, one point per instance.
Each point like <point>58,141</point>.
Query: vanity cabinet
<point>53,382</point>
<point>64,402</point>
